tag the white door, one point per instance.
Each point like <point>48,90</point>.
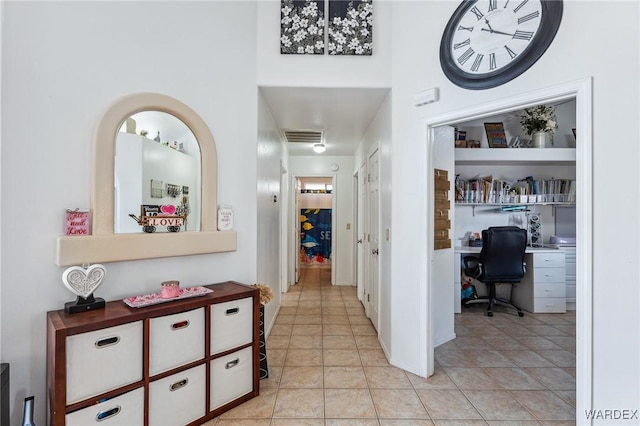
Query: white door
<point>441,263</point>
<point>296,229</point>
<point>374,237</point>
<point>284,245</point>
<point>361,226</point>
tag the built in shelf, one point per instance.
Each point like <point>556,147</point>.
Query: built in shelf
<point>496,206</point>
<point>515,155</point>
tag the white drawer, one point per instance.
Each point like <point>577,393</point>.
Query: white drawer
<point>549,275</point>
<point>103,360</point>
<point>175,340</point>
<point>553,260</point>
<point>549,304</point>
<point>178,399</point>
<point>231,377</point>
<point>543,289</point>
<point>231,324</point>
<point>122,410</point>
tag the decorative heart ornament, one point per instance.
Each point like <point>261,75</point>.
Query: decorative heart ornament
<point>83,282</point>
<point>168,209</point>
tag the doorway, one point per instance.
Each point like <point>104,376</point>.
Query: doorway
<point>314,229</point>
<point>581,91</point>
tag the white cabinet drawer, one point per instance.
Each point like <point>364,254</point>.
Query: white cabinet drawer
<point>553,289</point>
<point>122,410</point>
<point>103,360</point>
<point>175,340</point>
<point>231,324</point>
<point>549,275</point>
<point>231,377</point>
<point>546,260</point>
<point>178,399</point>
<point>550,304</point>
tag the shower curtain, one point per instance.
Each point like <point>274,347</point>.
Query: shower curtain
<point>315,236</point>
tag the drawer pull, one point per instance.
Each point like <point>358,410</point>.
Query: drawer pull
<point>107,341</point>
<point>232,363</point>
<point>180,325</point>
<point>233,311</point>
<point>107,414</point>
<point>178,385</point>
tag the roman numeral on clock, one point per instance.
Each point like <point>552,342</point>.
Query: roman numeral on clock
<point>464,43</point>
<point>477,12</point>
<point>520,6</point>
<point>477,62</point>
<point>528,17</point>
<point>523,35</point>
<point>461,28</point>
<point>493,5</point>
<point>465,56</point>
<point>492,61</point>
<point>511,53</point>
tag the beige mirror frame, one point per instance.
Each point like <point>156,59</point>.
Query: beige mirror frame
<point>103,245</point>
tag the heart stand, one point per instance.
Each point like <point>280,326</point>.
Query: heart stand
<point>82,305</point>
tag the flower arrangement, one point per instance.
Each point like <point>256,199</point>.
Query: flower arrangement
<point>266,294</point>
<point>541,118</point>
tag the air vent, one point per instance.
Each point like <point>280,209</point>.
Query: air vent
<point>303,136</point>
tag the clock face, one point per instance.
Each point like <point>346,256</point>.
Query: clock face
<point>489,42</point>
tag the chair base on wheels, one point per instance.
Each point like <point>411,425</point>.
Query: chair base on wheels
<point>492,299</point>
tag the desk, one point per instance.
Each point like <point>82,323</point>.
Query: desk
<point>542,289</point>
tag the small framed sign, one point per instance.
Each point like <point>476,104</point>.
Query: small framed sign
<point>496,136</point>
<point>76,222</point>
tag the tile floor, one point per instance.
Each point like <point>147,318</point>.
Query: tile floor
<point>326,367</point>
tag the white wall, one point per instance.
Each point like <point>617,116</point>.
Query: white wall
<point>574,54</point>
<point>271,151</point>
<point>320,165</point>
<point>1,179</point>
<point>64,63</point>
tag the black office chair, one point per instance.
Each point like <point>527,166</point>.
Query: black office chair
<point>501,261</point>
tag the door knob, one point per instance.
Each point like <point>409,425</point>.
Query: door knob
<point>374,251</point>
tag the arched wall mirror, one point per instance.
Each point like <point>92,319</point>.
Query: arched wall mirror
<point>107,245</point>
<point>157,167</point>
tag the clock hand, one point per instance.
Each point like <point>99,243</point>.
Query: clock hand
<point>488,24</point>
<point>496,32</point>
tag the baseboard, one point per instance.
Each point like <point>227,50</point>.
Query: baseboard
<point>444,340</point>
<point>267,329</point>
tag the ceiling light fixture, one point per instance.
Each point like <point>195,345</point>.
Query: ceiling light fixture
<point>319,148</point>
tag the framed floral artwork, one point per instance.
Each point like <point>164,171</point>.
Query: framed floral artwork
<point>350,27</point>
<point>302,27</point>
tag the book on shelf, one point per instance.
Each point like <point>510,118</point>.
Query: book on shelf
<point>490,190</point>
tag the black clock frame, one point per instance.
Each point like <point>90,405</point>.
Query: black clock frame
<point>550,22</point>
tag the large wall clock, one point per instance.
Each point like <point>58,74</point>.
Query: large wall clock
<point>487,43</point>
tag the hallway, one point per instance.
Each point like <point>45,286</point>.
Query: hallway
<point>326,367</point>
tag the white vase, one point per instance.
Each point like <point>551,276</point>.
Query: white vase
<point>539,139</point>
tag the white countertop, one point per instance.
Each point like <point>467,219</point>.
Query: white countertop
<point>467,249</point>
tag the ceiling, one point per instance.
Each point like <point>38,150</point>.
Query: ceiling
<point>343,114</point>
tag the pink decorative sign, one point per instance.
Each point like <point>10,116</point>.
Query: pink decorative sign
<point>77,222</point>
<point>168,209</point>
